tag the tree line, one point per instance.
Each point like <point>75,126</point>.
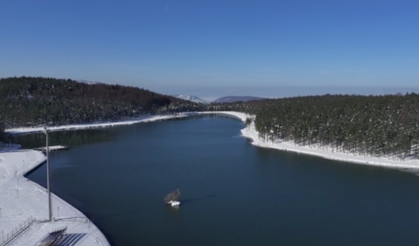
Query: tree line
<point>32,101</point>
<point>384,125</point>
<point>371,125</point>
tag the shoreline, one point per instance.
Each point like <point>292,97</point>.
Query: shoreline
<point>325,152</point>
<point>144,119</point>
<point>24,202</point>
<point>328,153</point>
<point>250,133</point>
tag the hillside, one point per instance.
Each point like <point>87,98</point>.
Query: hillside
<point>386,125</point>
<point>372,125</point>
<point>33,101</point>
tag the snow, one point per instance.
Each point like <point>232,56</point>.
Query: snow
<point>148,118</point>
<point>191,98</point>
<point>52,148</point>
<point>22,200</point>
<point>89,82</point>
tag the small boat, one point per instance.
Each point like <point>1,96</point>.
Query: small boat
<point>172,198</point>
<point>174,203</point>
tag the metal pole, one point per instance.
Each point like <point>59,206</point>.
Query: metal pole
<point>48,177</point>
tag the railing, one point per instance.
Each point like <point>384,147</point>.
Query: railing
<point>7,238</point>
<point>52,237</point>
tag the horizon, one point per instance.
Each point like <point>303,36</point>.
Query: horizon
<point>272,92</point>
<point>216,48</point>
<point>210,94</point>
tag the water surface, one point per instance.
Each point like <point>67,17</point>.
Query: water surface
<point>232,192</point>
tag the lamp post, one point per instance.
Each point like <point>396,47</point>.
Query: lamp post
<point>48,176</point>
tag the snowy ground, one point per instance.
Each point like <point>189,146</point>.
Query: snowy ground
<point>22,200</point>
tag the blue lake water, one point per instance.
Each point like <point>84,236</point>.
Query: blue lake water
<point>232,192</point>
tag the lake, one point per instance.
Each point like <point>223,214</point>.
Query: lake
<point>233,193</point>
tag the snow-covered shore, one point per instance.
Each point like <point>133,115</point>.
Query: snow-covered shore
<point>22,200</point>
<point>251,133</point>
<point>144,119</point>
<point>149,118</point>
<point>327,153</point>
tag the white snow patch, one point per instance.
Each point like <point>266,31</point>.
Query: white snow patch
<point>52,148</point>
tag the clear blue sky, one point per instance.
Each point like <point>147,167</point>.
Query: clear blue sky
<point>200,45</point>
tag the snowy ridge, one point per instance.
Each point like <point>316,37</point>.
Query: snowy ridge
<point>191,98</point>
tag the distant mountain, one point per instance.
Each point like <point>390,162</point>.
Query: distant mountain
<point>230,99</point>
<point>191,98</point>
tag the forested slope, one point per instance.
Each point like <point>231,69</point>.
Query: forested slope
<point>375,125</point>
<point>38,101</point>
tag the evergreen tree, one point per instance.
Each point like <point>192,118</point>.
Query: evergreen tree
<point>39,101</point>
<point>374,125</point>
